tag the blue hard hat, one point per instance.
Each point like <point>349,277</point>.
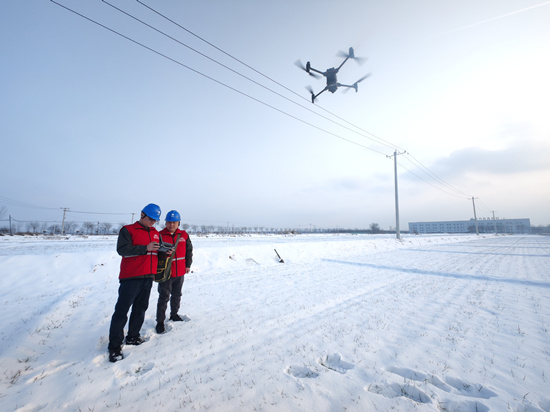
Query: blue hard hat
<point>173,216</point>
<point>152,210</point>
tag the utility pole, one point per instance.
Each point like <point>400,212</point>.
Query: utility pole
<point>63,221</point>
<point>397,233</point>
<point>475,216</point>
<point>132,218</point>
<point>495,222</point>
<point>10,224</point>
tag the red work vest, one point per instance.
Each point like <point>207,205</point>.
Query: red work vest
<point>140,265</point>
<point>178,263</point>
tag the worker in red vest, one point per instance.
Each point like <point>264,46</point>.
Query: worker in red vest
<point>138,244</point>
<point>170,290</point>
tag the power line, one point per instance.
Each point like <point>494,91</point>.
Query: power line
<point>374,138</point>
<point>98,213</point>
<point>431,184</point>
<point>18,203</point>
<point>484,205</point>
<point>433,175</point>
<point>215,80</point>
<point>468,197</point>
<point>379,140</point>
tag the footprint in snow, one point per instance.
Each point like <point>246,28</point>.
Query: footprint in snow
<point>420,377</point>
<point>396,390</point>
<point>334,362</point>
<point>301,372</point>
<point>141,369</point>
<point>126,370</point>
<point>448,384</point>
<point>408,383</point>
<point>473,390</point>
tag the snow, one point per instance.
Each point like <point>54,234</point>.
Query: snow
<point>347,322</point>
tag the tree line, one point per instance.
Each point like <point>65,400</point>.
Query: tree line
<point>107,228</point>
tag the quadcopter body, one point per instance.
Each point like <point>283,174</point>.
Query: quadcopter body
<point>331,75</point>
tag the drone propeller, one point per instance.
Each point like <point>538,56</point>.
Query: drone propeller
<point>352,56</point>
<point>342,54</point>
<point>360,60</point>
<point>354,86</point>
<point>301,66</point>
<point>310,90</point>
<point>362,78</point>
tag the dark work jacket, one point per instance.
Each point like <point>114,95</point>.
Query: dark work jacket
<point>132,246</point>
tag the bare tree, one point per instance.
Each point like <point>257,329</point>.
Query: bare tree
<point>374,228</point>
<point>89,226</point>
<point>106,227</point>
<point>34,226</point>
<point>70,227</point>
<point>54,229</point>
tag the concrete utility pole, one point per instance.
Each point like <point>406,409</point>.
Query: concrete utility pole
<point>397,233</point>
<point>63,221</point>
<point>495,222</point>
<point>475,216</point>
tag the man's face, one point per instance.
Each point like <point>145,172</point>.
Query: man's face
<point>147,221</point>
<point>172,226</point>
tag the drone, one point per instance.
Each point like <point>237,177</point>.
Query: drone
<point>330,74</point>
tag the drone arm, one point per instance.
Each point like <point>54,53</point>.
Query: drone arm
<point>316,71</point>
<point>353,86</point>
<point>314,96</point>
<point>345,60</point>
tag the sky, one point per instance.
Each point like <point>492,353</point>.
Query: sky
<point>128,103</point>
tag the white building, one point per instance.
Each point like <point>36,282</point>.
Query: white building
<point>485,225</point>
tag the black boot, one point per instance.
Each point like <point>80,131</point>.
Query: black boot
<point>115,354</point>
<point>134,341</point>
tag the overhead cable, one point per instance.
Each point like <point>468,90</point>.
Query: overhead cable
<point>379,141</point>
<point>215,80</point>
<point>18,203</point>
<point>374,138</point>
<point>431,184</point>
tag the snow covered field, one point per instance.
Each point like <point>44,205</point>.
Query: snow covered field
<point>347,323</point>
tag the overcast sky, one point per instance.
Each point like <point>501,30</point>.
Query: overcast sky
<point>96,122</point>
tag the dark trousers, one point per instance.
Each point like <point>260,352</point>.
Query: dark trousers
<point>131,293</point>
<point>169,291</point>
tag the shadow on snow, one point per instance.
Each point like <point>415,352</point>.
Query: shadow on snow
<point>443,274</point>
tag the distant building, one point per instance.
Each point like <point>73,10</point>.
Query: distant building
<point>485,225</point>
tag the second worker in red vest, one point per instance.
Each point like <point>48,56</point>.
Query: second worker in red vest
<point>170,291</point>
